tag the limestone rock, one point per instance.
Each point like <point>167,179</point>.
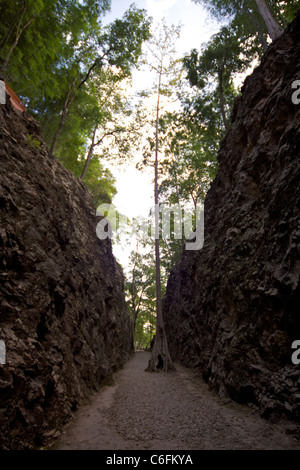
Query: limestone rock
<point>232,308</point>
<point>63,314</point>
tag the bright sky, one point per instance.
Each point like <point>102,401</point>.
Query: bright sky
<point>135,189</point>
<point>198,26</point>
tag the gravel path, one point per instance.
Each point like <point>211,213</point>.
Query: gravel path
<point>173,411</point>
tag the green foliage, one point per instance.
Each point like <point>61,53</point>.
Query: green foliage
<point>65,66</point>
<point>211,72</point>
<point>187,149</point>
<point>245,18</point>
<point>224,52</point>
<point>140,289</point>
<point>283,10</point>
<point>188,168</point>
<point>100,182</point>
<point>71,73</point>
<point>47,44</point>
<point>190,157</point>
<point>31,141</point>
<point>144,331</point>
<point>123,39</point>
<point>291,7</point>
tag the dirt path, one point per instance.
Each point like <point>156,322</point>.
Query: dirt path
<point>167,412</point>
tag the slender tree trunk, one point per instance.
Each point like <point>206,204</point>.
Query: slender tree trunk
<point>70,97</point>
<point>258,28</point>
<point>274,29</point>
<point>67,104</point>
<point>221,91</point>
<point>133,305</point>
<point>17,37</point>
<point>61,124</point>
<point>5,38</point>
<point>160,357</point>
<point>89,155</point>
<point>95,144</point>
<point>180,220</point>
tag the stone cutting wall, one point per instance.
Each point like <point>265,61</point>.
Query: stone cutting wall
<point>232,309</point>
<point>63,316</point>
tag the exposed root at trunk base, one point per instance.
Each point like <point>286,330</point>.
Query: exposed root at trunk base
<point>160,360</point>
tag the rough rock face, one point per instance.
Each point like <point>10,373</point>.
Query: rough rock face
<point>232,309</point>
<point>63,315</point>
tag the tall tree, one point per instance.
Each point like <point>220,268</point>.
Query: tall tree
<point>160,358</point>
<point>109,118</point>
<point>190,164</point>
<point>211,72</point>
<point>140,294</point>
<point>51,65</point>
<point>119,46</point>
<point>188,167</point>
<point>21,26</point>
<point>274,13</point>
<point>140,289</point>
<point>164,64</point>
<point>273,26</point>
<point>42,39</point>
<point>220,59</point>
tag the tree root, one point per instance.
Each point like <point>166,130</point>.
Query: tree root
<point>160,360</point>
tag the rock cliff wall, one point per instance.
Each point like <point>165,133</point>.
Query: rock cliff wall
<point>63,316</point>
<point>232,309</point>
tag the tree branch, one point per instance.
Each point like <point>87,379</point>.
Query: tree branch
<point>17,37</point>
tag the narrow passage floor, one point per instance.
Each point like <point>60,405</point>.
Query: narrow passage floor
<point>174,411</point>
